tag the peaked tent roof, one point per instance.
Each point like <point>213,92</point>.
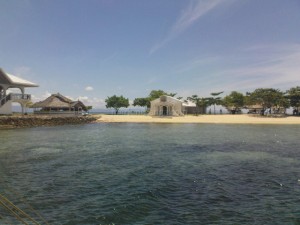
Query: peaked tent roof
<point>184,103</point>
<point>166,97</point>
<point>188,104</point>
<point>14,81</point>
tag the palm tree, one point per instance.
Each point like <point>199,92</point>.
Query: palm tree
<point>215,100</point>
<point>200,102</point>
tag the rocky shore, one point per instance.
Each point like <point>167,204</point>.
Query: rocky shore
<point>36,121</point>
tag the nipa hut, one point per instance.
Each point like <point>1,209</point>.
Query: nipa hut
<point>191,108</point>
<point>254,109</point>
<point>58,104</point>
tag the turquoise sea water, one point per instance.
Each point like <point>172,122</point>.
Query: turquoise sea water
<point>153,173</point>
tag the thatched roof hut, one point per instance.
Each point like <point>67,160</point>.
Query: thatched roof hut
<point>58,102</point>
<point>257,106</point>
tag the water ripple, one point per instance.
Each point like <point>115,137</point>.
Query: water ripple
<point>155,174</point>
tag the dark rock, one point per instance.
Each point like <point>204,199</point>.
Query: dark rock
<point>33,121</point>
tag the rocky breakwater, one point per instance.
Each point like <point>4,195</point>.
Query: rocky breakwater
<point>36,121</point>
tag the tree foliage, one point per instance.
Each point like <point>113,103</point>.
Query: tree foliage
<point>154,94</point>
<point>234,101</point>
<point>216,93</point>
<point>293,96</point>
<point>89,107</point>
<point>267,97</point>
<point>144,102</point>
<point>201,103</point>
<point>215,100</point>
<point>117,102</point>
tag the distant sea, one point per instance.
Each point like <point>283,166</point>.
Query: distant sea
<point>153,173</point>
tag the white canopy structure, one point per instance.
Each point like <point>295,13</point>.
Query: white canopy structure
<point>166,106</point>
<point>13,81</point>
<point>8,81</point>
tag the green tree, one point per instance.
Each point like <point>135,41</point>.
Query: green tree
<point>267,97</point>
<point>201,103</point>
<point>215,100</point>
<point>117,102</point>
<point>234,101</point>
<point>143,102</point>
<point>293,95</point>
<point>154,94</point>
<point>88,108</point>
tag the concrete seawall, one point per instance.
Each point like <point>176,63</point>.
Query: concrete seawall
<point>36,121</point>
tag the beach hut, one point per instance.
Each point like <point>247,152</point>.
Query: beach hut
<point>259,109</point>
<point>7,97</point>
<point>191,108</point>
<point>254,109</point>
<point>234,110</point>
<point>59,104</point>
<point>166,106</point>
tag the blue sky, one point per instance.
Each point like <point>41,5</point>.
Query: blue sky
<point>91,49</point>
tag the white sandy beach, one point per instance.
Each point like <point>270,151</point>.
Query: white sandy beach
<point>217,119</point>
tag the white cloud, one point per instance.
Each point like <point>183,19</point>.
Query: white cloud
<point>194,11</point>
<point>34,98</point>
<point>89,88</point>
<point>95,102</point>
<point>46,94</point>
<point>276,66</point>
<point>265,66</point>
<point>83,98</point>
<point>70,97</point>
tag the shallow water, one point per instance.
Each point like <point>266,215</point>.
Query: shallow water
<point>154,173</point>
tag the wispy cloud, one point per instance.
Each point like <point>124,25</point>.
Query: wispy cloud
<point>45,95</point>
<point>277,66</point>
<point>264,66</point>
<point>196,63</point>
<point>194,11</point>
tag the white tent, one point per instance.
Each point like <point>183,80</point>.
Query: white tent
<point>166,106</point>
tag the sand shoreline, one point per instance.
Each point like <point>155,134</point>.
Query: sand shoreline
<point>205,119</point>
